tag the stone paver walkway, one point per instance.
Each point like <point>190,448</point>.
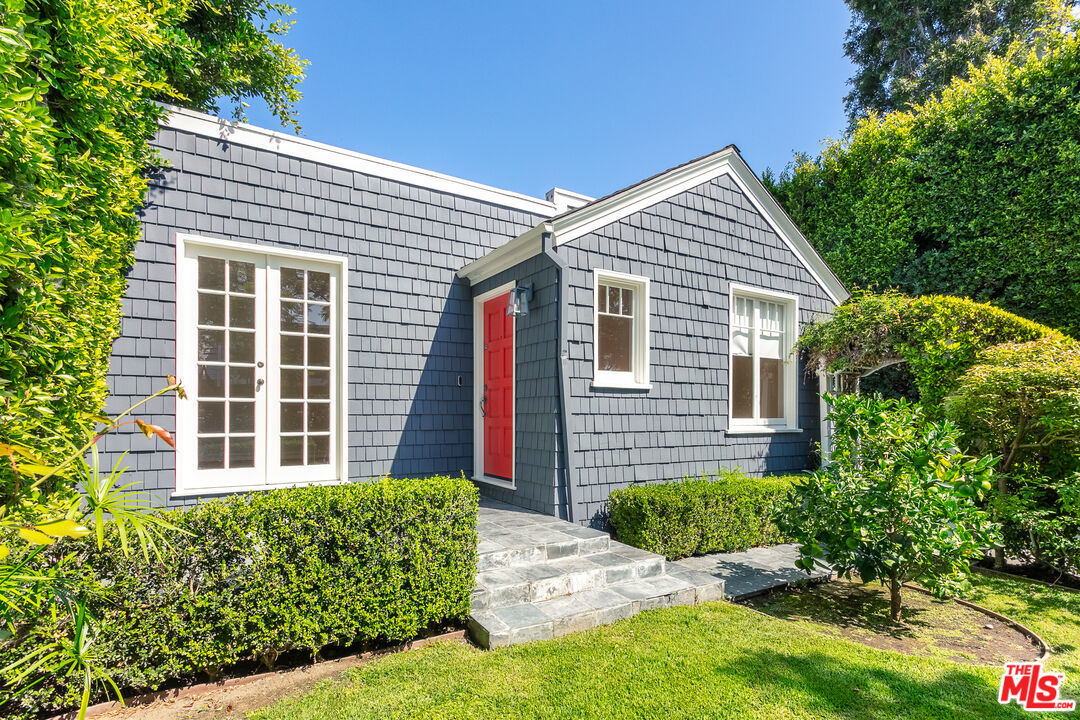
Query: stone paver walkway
<point>753,571</point>
<point>539,577</point>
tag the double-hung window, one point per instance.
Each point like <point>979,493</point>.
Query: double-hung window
<point>620,330</point>
<point>762,377</point>
<point>259,347</point>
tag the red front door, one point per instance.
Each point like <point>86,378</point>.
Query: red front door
<point>497,403</point>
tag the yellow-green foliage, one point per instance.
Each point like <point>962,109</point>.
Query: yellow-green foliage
<point>973,194</point>
<point>1021,398</point>
<point>72,154</point>
<point>939,337</point>
<point>78,81</point>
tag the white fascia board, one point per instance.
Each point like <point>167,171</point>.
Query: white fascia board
<point>727,161</point>
<point>297,147</point>
<point>521,248</point>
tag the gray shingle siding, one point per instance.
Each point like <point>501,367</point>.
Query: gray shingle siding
<point>410,318</point>
<point>410,323</point>
<point>691,246</point>
<point>537,472</point>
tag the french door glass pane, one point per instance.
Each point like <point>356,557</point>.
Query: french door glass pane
<point>211,309</point>
<point>211,417</point>
<point>211,273</point>
<point>211,453</point>
<point>212,345</point>
<point>306,321</point>
<point>241,452</point>
<point>242,277</point>
<point>318,349</point>
<point>292,450</point>
<point>242,417</point>
<point>225,430</point>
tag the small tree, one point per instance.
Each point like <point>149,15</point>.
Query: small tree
<point>896,502</point>
<point>1022,401</point>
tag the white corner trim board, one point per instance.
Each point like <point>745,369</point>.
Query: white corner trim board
<point>297,147</point>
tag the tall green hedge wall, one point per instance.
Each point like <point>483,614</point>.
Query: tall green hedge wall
<point>267,573</point>
<point>76,118</point>
<point>974,194</point>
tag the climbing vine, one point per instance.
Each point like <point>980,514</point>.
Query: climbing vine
<point>938,336</point>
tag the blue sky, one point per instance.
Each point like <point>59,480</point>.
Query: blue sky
<point>588,96</point>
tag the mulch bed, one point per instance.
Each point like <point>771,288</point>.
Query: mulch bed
<point>928,627</point>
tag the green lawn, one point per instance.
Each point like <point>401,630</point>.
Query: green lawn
<point>715,660</point>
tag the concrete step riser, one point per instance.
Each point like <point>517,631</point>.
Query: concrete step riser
<point>530,555</point>
<point>490,632</point>
<point>489,596</point>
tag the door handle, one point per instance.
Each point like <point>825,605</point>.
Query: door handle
<point>259,384</point>
<point>483,409</point>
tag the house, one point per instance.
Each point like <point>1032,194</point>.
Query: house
<point>336,316</point>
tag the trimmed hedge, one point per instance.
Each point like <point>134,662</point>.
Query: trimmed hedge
<point>272,572</point>
<point>723,513</point>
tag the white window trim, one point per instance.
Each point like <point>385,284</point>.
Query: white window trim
<point>790,422</point>
<point>186,410</point>
<point>478,393</point>
<point>638,377</point>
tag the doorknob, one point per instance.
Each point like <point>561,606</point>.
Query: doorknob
<point>259,384</point>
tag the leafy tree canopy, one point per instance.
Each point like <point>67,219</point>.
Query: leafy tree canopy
<point>905,51</point>
<point>973,194</point>
<point>231,50</point>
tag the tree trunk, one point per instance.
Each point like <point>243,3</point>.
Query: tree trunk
<point>894,599</point>
<point>999,551</point>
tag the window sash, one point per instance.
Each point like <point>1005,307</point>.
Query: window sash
<point>762,335</point>
<point>622,299</point>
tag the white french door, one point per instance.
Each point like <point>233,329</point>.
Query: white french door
<point>259,350</point>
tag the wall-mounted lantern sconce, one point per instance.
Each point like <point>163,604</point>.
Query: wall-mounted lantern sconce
<point>519,300</point>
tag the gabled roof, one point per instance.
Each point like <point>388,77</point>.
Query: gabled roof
<point>611,208</point>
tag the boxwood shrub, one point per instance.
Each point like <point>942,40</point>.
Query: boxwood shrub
<point>724,512</point>
<point>292,569</point>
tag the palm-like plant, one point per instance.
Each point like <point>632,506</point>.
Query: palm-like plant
<point>37,576</point>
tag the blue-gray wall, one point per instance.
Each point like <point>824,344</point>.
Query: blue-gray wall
<point>691,247</point>
<point>410,323</point>
<point>410,318</point>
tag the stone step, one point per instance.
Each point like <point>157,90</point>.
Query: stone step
<point>585,609</point>
<point>504,546</point>
<point>543,580</point>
